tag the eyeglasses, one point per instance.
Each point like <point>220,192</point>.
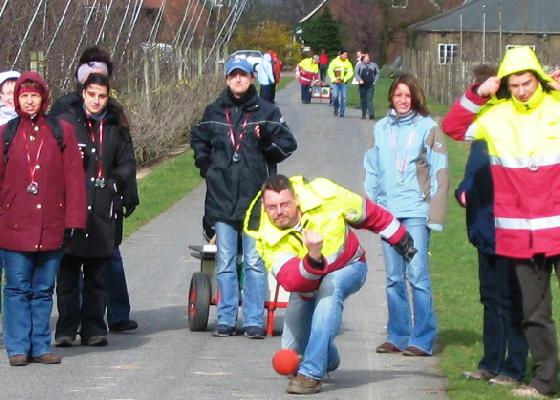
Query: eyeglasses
<point>278,207</point>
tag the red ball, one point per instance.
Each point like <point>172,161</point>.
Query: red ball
<point>286,362</point>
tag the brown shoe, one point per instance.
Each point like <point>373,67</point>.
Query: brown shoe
<point>19,360</point>
<point>503,380</point>
<point>47,358</point>
<point>412,351</point>
<point>478,375</point>
<point>387,348</point>
<point>528,392</point>
<point>301,384</point>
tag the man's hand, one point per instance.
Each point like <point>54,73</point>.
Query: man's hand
<point>556,79</point>
<point>406,247</point>
<point>314,243</point>
<point>489,87</point>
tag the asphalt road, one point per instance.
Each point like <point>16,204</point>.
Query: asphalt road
<point>164,360</point>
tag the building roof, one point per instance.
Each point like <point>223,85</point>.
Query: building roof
<point>517,16</point>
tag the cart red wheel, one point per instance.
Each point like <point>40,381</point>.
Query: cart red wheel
<point>198,310</point>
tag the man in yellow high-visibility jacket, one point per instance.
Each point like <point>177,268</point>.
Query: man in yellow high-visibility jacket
<point>340,72</point>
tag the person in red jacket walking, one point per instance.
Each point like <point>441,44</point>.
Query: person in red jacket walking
<point>42,203</point>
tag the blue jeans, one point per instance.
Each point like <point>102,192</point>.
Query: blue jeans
<point>505,345</point>
<point>339,95</point>
<point>254,278</point>
<point>310,326</point>
<point>28,301</point>
<point>118,302</point>
<point>417,326</point>
<point>305,93</point>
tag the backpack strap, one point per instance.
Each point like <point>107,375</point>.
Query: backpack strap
<point>9,133</point>
<point>56,129</point>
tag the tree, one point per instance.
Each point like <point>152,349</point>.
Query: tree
<point>322,32</point>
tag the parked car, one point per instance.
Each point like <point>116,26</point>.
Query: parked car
<point>253,56</point>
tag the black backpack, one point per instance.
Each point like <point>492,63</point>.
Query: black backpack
<point>368,76</point>
<point>11,128</point>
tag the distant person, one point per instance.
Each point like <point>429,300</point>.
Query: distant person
<point>367,73</point>
<point>43,206</point>
<point>7,107</point>
<point>307,72</point>
<point>340,73</point>
<point>504,360</point>
<point>359,56</point>
<point>109,164</point>
<point>323,65</point>
<point>277,69</point>
<point>406,172</point>
<point>97,60</point>
<point>265,76</point>
<point>305,235</point>
<point>237,145</point>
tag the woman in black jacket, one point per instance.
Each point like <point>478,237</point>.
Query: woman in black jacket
<point>109,165</point>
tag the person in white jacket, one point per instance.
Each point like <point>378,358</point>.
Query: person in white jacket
<point>265,77</point>
<point>7,108</point>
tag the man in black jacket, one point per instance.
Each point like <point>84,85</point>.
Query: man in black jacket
<point>237,145</point>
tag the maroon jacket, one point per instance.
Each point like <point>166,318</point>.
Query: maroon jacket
<point>36,222</point>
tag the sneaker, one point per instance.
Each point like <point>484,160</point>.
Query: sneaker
<point>122,326</point>
<point>503,380</point>
<point>363,116</point>
<point>64,341</point>
<point>387,348</point>
<point>335,112</point>
<point>341,115</point>
<point>94,341</point>
<point>301,384</point>
<point>224,331</point>
<point>479,375</point>
<point>254,332</point>
<point>528,392</point>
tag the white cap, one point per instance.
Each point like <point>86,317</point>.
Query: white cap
<point>4,76</point>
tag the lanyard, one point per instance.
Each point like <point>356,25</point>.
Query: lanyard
<point>99,146</point>
<point>401,164</point>
<point>32,166</point>
<point>236,143</point>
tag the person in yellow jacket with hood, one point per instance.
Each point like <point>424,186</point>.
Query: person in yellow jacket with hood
<point>522,130</point>
<point>303,234</point>
<point>340,72</point>
<point>307,72</point>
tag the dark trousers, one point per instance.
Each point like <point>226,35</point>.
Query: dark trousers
<point>90,313</point>
<point>266,92</point>
<point>118,302</point>
<point>366,100</point>
<point>273,93</point>
<point>505,345</point>
<point>323,72</point>
<point>538,324</point>
<point>305,93</point>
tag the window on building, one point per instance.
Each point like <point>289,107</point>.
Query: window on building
<point>37,62</point>
<point>399,3</point>
<point>447,52</point>
<point>511,46</point>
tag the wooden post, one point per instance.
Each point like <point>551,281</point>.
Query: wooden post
<point>156,67</point>
<point>200,55</point>
<point>179,58</point>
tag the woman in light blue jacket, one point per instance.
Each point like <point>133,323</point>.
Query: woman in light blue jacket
<point>265,76</point>
<point>406,172</point>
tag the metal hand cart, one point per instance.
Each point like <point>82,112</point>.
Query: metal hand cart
<point>321,92</point>
<point>203,291</point>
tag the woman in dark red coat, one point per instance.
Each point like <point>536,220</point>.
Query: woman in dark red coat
<point>42,202</point>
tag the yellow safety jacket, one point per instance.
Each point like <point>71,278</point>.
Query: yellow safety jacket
<point>342,69</point>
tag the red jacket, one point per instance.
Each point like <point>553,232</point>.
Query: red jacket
<point>36,222</point>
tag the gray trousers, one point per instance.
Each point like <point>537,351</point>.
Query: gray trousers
<point>538,324</point>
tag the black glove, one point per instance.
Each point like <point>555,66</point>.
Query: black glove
<point>405,247</point>
<point>128,210</point>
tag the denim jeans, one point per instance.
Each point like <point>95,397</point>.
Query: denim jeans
<point>366,99</point>
<point>254,277</point>
<point>311,326</point>
<point>339,95</point>
<point>417,326</point>
<point>266,92</point>
<point>505,345</point>
<point>118,302</point>
<point>305,93</point>
<point>28,300</point>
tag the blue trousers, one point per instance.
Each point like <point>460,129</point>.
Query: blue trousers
<point>28,301</point>
<point>118,302</point>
